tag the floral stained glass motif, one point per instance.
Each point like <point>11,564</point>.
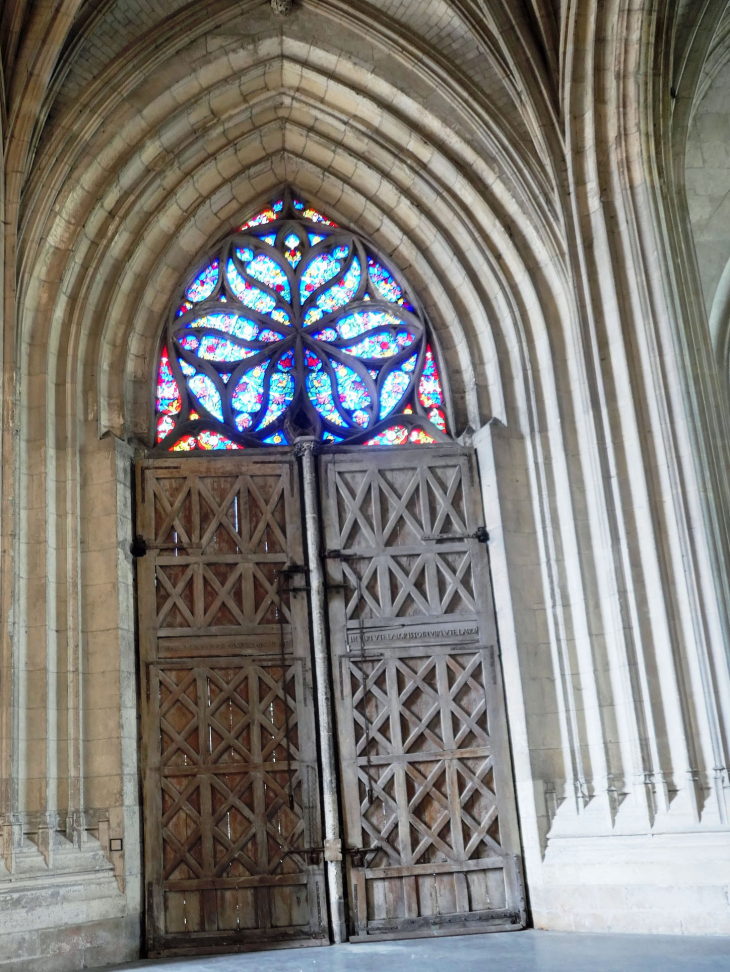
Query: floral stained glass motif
<point>204,284</point>
<point>336,296</point>
<point>208,440</point>
<point>430,393</point>
<point>395,386</point>
<point>319,389</point>
<point>399,435</point>
<point>293,249</point>
<point>352,392</point>
<point>248,396</point>
<point>240,327</point>
<point>322,268</point>
<point>256,367</point>
<point>168,393</point>
<point>267,215</point>
<point>268,271</point>
<point>207,394</point>
<point>215,348</point>
<point>380,345</point>
<point>386,285</point>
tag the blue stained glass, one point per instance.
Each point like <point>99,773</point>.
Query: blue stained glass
<point>267,271</point>
<point>248,294</point>
<point>337,296</point>
<point>204,284</point>
<point>213,348</point>
<point>352,391</point>
<point>357,323</point>
<point>267,336</point>
<point>207,394</point>
<point>386,285</point>
<point>230,323</point>
<point>260,275</point>
<point>293,251</point>
<point>248,396</point>
<point>380,345</point>
<point>395,386</point>
<point>328,334</point>
<point>322,268</point>
<point>169,401</point>
<point>319,389</point>
<point>281,392</point>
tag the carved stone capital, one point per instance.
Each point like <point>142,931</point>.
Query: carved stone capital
<point>282,8</point>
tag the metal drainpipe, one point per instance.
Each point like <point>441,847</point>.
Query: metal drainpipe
<point>333,844</point>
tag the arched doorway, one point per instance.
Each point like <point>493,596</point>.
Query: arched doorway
<point>324,740</point>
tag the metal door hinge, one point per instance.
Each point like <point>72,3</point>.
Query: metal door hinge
<point>481,534</point>
<point>360,855</point>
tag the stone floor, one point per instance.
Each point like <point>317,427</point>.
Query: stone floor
<point>528,951</point>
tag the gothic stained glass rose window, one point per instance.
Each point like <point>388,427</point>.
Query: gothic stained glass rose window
<point>294,326</point>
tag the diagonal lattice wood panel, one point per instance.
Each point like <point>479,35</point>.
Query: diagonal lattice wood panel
<point>231,797</point>
<point>427,792</point>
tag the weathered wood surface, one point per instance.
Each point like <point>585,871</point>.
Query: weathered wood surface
<point>429,811</point>
<point>229,752</point>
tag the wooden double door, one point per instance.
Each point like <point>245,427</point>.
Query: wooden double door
<point>233,808</point>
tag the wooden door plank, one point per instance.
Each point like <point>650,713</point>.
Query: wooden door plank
<point>220,644</point>
<point>426,619</point>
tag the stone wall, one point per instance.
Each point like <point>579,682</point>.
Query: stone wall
<point>526,173</point>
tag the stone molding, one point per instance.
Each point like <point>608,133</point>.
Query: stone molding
<point>536,203</point>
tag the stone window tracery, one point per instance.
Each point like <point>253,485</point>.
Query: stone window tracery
<point>295,326</point>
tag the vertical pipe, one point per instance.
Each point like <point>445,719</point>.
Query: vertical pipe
<point>324,691</point>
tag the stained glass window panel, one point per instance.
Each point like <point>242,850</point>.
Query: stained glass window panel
<point>381,345</point>
<point>168,393</point>
<point>386,285</point>
<point>319,389</point>
<point>352,392</point>
<point>207,394</point>
<point>335,380</point>
<point>336,296</point>
<point>268,271</point>
<point>204,284</point>
<point>395,386</point>
<point>293,251</point>
<point>267,215</point>
<point>248,396</point>
<point>240,327</point>
<point>323,267</point>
